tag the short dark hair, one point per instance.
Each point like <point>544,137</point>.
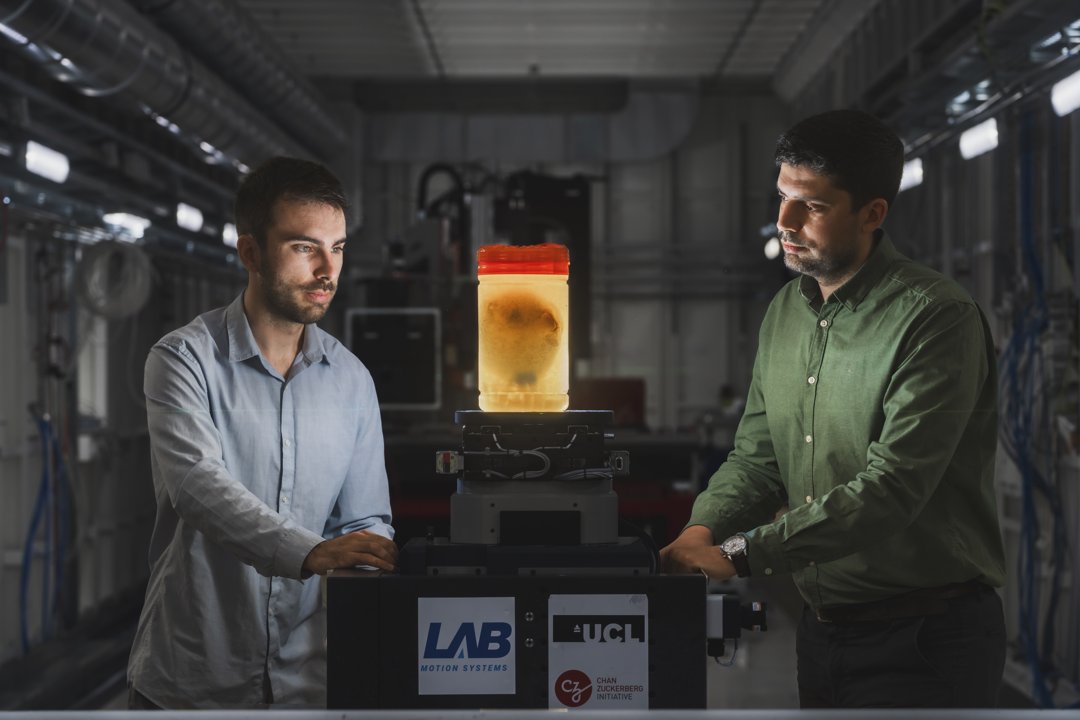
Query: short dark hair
<point>858,152</point>
<point>283,178</point>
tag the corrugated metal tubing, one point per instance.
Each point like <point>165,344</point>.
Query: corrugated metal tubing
<point>106,48</point>
<point>227,38</point>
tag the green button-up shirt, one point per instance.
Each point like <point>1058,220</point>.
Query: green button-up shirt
<point>873,417</point>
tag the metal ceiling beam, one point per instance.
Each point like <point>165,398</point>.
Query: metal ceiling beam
<point>747,21</point>
<point>544,96</point>
<point>429,39</point>
<point>831,28</point>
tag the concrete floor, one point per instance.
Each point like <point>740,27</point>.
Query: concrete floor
<point>763,672</point>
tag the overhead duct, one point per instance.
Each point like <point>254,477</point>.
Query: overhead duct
<point>225,37</point>
<point>107,48</point>
<point>655,120</point>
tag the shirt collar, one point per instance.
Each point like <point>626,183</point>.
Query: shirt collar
<point>242,343</point>
<point>855,290</point>
<point>313,349</point>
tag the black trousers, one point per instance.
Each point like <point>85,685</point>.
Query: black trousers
<point>954,659</point>
<point>138,701</point>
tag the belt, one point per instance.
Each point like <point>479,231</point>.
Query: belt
<point>928,601</point>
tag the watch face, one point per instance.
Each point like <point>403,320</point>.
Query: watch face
<point>734,545</point>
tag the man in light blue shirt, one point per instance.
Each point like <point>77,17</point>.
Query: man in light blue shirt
<point>267,457</point>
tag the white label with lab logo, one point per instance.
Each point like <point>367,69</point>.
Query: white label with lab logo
<point>465,646</point>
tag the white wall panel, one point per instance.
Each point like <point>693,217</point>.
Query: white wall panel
<point>639,206</point>
<point>708,202</point>
<point>706,338</point>
<point>637,349</point>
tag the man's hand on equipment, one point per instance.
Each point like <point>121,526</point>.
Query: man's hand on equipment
<point>358,548</point>
<point>693,551</point>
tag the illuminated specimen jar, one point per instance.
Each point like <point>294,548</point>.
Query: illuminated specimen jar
<point>523,309</point>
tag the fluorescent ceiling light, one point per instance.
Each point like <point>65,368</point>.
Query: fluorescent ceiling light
<point>979,139</point>
<point>164,122</point>
<point>189,217</point>
<point>772,248</point>
<point>133,225</point>
<point>13,34</point>
<point>912,176</point>
<point>228,235</point>
<point>46,162</point>
<point>1065,95</point>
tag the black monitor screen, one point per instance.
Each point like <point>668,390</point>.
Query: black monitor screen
<point>401,349</point>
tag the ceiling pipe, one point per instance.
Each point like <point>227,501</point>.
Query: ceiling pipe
<point>227,38</point>
<point>106,48</point>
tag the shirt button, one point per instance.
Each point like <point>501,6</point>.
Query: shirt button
<point>287,442</point>
<point>824,323</point>
<point>768,571</point>
<point>811,379</point>
<point>284,499</point>
<point>809,499</point>
<point>811,563</point>
<point>809,438</point>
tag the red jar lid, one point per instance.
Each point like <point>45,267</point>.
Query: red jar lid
<point>546,259</point>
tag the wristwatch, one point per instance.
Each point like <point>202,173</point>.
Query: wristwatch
<point>734,549</point>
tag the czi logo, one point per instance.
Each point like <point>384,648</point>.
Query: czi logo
<point>573,688</point>
<point>598,628</point>
<point>491,641</point>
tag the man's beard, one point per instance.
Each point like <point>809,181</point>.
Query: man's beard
<point>828,267</point>
<point>281,300</point>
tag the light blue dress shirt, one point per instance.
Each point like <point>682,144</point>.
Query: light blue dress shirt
<point>251,471</point>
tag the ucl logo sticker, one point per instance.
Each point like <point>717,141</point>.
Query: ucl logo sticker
<point>598,628</point>
<point>598,651</point>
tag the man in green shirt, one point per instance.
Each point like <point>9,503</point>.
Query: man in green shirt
<point>872,417</point>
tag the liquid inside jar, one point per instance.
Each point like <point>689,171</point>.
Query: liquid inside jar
<point>523,358</point>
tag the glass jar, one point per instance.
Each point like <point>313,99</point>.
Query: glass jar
<point>523,364</point>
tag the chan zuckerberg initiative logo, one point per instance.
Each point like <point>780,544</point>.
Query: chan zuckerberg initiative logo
<point>573,688</point>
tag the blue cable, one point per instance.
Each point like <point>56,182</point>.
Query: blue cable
<point>1052,490</point>
<point>1023,366</point>
<point>46,562</point>
<point>28,548</point>
<point>63,500</point>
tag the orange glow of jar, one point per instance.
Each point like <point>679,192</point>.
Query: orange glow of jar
<point>523,313</point>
